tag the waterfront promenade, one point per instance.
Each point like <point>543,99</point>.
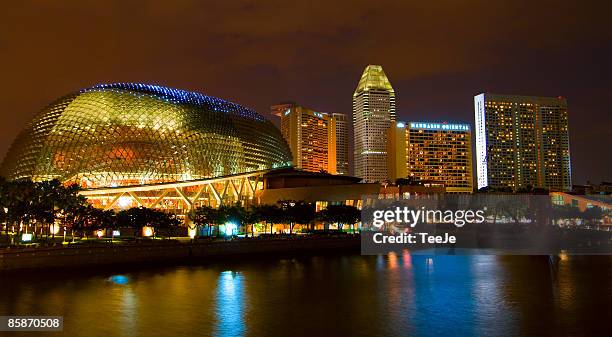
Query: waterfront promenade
<point>98,253</point>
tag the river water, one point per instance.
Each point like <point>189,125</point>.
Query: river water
<point>327,295</point>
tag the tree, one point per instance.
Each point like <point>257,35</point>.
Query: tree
<point>232,214</point>
<point>294,212</point>
<point>251,217</point>
<point>566,212</point>
<point>86,218</point>
<point>592,215</point>
<point>54,202</point>
<point>20,196</point>
<point>138,217</point>
<point>204,216</point>
<point>42,204</point>
<point>216,217</point>
<point>408,181</point>
<point>270,214</point>
<point>341,214</point>
<point>4,204</point>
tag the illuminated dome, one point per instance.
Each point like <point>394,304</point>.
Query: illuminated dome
<point>130,134</point>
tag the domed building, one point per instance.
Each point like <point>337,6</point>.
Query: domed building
<point>129,134</point>
<point>130,144</point>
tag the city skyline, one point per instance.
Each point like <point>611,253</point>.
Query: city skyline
<point>436,64</point>
<point>379,82</point>
<point>316,168</point>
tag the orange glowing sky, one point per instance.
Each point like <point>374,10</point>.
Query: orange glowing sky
<point>437,54</point>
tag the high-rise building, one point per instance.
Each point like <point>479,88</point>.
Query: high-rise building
<point>440,152</point>
<point>373,114</point>
<point>311,136</point>
<point>339,122</point>
<point>522,142</point>
<point>396,152</point>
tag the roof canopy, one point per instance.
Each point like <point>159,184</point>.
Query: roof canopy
<point>373,77</point>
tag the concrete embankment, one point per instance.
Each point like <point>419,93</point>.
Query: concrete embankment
<point>164,251</point>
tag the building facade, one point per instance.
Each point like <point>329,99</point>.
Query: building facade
<point>311,136</point>
<point>340,125</point>
<point>522,142</point>
<point>440,152</point>
<point>127,134</point>
<point>130,144</point>
<point>396,152</point>
<point>431,152</point>
<point>373,114</point>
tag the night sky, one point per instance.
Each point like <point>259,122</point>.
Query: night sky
<point>437,55</point>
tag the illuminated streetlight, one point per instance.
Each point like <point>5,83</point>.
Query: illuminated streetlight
<point>147,231</point>
<point>230,227</point>
<point>192,232</point>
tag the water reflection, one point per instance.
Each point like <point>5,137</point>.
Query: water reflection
<point>397,295</point>
<point>129,310</point>
<point>407,259</point>
<point>444,293</point>
<point>119,279</point>
<point>398,302</point>
<point>230,305</point>
<point>488,298</point>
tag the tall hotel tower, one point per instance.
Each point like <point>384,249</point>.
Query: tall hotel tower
<point>312,136</point>
<point>435,152</point>
<point>373,115</point>
<point>522,141</point>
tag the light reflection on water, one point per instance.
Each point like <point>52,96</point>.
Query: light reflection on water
<point>229,305</point>
<point>399,294</point>
<point>129,309</point>
<point>119,279</point>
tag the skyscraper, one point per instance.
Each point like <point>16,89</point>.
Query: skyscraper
<point>424,151</point>
<point>340,125</point>
<point>522,142</point>
<point>311,136</point>
<point>373,114</point>
<point>440,152</point>
<point>396,152</point>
